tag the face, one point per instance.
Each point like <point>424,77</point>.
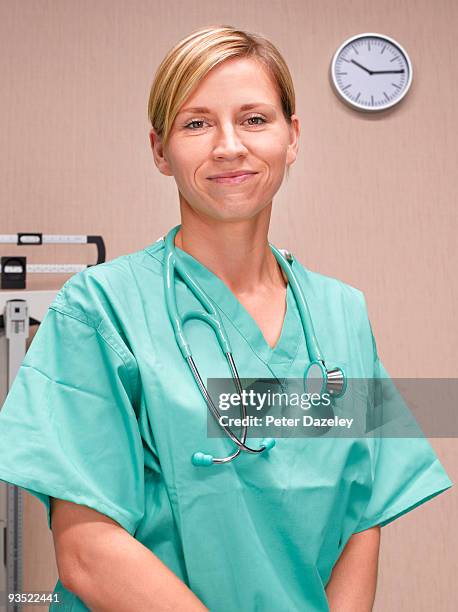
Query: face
<point>214,134</point>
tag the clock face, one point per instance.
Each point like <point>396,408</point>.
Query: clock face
<point>371,72</point>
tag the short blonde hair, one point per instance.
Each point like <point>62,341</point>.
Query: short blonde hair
<point>187,63</point>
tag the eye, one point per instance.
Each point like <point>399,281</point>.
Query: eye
<point>256,117</point>
<point>194,121</point>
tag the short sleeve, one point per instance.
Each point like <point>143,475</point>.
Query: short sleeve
<point>68,428</point>
<point>406,471</point>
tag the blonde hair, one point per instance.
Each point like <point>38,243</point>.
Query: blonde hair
<point>187,63</point>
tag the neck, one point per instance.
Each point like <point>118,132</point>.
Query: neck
<point>237,252</point>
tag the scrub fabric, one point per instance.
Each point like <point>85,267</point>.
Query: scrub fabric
<point>104,412</point>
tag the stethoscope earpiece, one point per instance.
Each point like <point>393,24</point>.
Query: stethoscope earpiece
<point>200,459</point>
<point>268,443</point>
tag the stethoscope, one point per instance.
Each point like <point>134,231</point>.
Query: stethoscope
<point>316,374</point>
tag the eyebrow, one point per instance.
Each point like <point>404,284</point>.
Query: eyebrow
<point>203,109</point>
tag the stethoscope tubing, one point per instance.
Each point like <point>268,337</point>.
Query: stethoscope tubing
<point>172,265</point>
<point>211,317</point>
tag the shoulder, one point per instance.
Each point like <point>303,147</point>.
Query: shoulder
<point>105,289</point>
<point>329,289</point>
<point>340,315</point>
<point>335,302</point>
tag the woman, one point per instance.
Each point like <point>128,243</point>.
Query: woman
<point>108,414</point>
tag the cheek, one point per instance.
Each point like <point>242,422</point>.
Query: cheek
<point>278,149</point>
<point>183,156</point>
<point>273,151</point>
<point>184,167</point>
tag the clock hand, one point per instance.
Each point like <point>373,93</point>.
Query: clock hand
<point>361,66</point>
<point>387,71</point>
<point>377,71</point>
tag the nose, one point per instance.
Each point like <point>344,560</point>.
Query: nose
<point>228,142</point>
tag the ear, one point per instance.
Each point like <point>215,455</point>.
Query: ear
<point>159,154</point>
<point>293,146</point>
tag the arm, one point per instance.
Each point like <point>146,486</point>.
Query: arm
<point>354,576</point>
<point>109,569</point>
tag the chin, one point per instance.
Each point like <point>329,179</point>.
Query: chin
<point>234,214</point>
<point>227,210</point>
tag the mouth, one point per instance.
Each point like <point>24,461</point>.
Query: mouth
<point>239,178</point>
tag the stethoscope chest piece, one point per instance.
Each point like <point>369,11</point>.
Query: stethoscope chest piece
<point>318,379</point>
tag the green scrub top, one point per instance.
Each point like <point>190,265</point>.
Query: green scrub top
<point>104,412</point>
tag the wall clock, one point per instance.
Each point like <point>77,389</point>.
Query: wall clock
<point>371,72</point>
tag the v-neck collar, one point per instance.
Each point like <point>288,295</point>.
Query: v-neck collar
<point>238,316</point>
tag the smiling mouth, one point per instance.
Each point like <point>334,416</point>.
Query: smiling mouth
<point>240,178</point>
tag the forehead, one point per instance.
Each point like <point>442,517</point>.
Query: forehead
<point>238,81</point>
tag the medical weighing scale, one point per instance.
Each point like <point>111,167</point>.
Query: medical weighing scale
<point>20,308</point>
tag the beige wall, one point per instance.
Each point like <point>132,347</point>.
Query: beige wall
<point>370,200</point>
